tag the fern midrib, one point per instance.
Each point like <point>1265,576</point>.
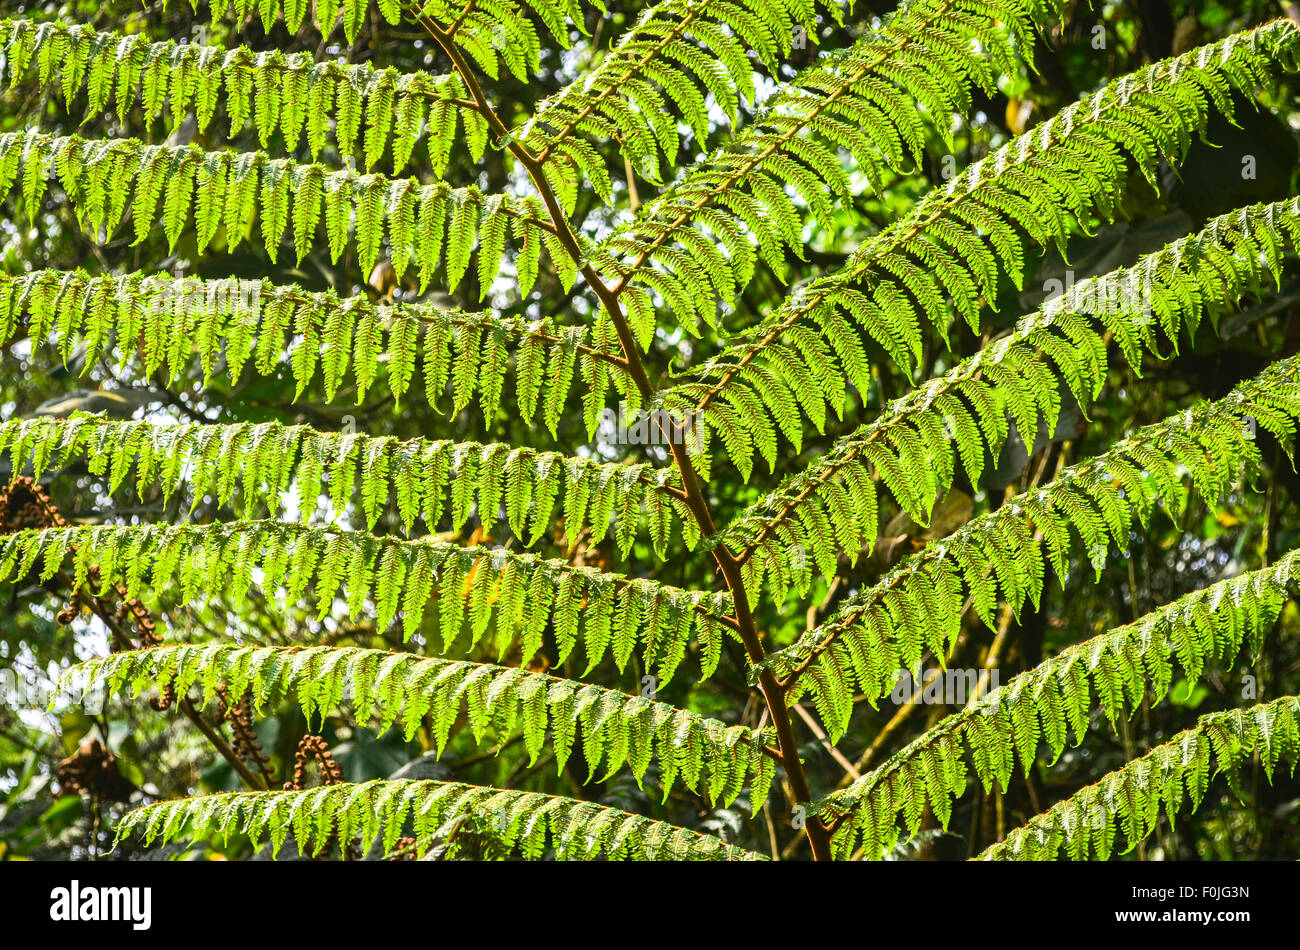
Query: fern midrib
<point>889,243</point>
<point>290,680</point>
<point>413,311</point>
<point>915,403</point>
<point>956,722</point>
<point>334,68</point>
<point>479,552</point>
<point>300,434</point>
<point>1134,766</point>
<point>743,171</point>
<point>853,612</point>
<point>404,310</point>
<point>673,35</point>
<point>460,18</point>
<point>880,427</point>
<point>695,499</point>
<point>551,813</point>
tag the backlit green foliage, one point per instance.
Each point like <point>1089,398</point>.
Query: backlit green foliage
<point>1167,778</point>
<point>487,590</point>
<point>1047,709</point>
<point>376,812</point>
<point>505,574</point>
<point>1003,556</point>
<point>621,730</point>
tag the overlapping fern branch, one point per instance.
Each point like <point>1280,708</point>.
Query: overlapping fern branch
<point>377,812</point>
<point>225,191</point>
<point>1172,775</point>
<point>257,324</point>
<point>514,597</point>
<point>613,730</point>
<point>683,255</point>
<point>292,96</point>
<point>273,466</point>
<point>683,52</point>
<point>1048,708</point>
<point>913,447</point>
<point>944,258</point>
<point>491,31</point>
<point>875,99</point>
<point>918,605</point>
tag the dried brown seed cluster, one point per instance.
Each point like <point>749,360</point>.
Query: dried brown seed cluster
<point>310,747</point>
<point>240,717</point>
<point>24,503</point>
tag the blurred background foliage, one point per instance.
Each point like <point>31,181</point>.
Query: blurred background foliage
<point>66,774</point>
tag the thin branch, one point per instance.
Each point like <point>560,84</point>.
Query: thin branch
<point>826,743</point>
<point>695,499</point>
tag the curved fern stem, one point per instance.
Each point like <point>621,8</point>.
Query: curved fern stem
<point>613,730</point>
<point>377,812</point>
<point>272,465</point>
<point>1172,775</point>
<point>479,588</point>
<point>1047,709</point>
<point>918,605</point>
<point>694,497</point>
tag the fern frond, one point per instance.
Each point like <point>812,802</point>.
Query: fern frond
<point>479,589</point>
<point>379,810</point>
<point>936,262</point>
<point>490,31</point>
<point>1171,776</point>
<point>493,32</point>
<point>918,605</point>
<point>228,190</point>
<point>274,465</point>
<point>325,13</point>
<point>258,323</point>
<point>682,52</point>
<point>290,95</point>
<point>928,53</point>
<point>615,730</point>
<point>915,444</point>
<point>1048,708</point>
